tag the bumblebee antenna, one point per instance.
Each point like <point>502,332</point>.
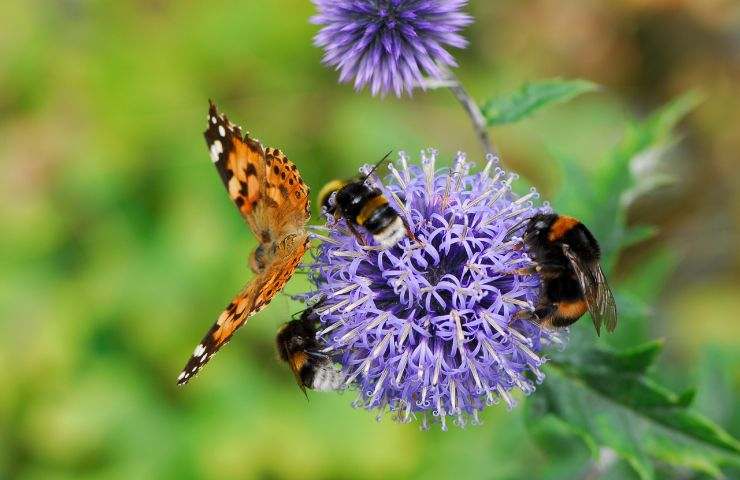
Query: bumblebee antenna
<point>298,313</point>
<point>314,306</point>
<point>516,227</point>
<point>375,167</point>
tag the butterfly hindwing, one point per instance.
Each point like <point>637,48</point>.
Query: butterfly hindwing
<point>255,296</point>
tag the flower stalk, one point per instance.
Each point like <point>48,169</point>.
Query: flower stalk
<point>471,109</point>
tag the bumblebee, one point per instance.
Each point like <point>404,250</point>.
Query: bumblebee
<point>298,347</point>
<point>364,206</point>
<point>566,257</point>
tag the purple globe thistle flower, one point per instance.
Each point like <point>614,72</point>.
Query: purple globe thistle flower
<point>387,44</point>
<point>430,327</point>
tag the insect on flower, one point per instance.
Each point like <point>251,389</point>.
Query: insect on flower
<point>298,347</point>
<point>566,256</point>
<point>430,330</point>
<point>362,205</point>
<point>389,44</point>
<point>268,191</point>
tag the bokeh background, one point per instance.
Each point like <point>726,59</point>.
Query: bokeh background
<point>119,247</point>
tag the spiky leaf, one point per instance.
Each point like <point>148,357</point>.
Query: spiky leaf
<point>607,397</point>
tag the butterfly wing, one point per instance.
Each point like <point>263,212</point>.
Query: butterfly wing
<point>273,199</point>
<point>253,298</point>
<point>599,298</point>
<point>265,186</point>
<point>239,161</point>
<point>286,205</point>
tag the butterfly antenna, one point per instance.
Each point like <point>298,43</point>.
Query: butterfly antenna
<point>375,167</point>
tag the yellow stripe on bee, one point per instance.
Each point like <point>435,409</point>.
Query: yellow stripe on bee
<point>330,188</point>
<point>368,209</point>
<point>572,309</point>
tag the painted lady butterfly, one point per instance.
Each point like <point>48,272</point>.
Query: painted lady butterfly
<point>271,196</point>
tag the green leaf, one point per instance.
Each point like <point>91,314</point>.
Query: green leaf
<point>532,97</point>
<point>607,397</point>
<point>601,197</point>
<point>638,234</point>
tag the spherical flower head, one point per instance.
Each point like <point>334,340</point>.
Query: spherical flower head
<point>389,44</point>
<point>429,328</point>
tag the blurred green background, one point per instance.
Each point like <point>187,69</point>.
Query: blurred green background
<point>119,246</point>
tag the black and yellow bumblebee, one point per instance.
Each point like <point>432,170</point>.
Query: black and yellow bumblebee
<point>566,256</point>
<point>298,346</point>
<point>365,206</point>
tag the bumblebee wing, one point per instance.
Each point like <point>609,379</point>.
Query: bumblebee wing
<point>253,298</point>
<point>598,295</point>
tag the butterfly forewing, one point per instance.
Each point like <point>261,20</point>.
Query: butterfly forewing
<point>273,199</point>
<point>285,192</point>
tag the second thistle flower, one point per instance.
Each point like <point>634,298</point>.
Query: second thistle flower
<point>389,45</point>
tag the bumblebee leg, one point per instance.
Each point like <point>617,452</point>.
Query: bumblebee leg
<point>524,315</point>
<point>409,233</point>
<point>550,270</point>
<point>545,311</point>
<point>540,314</point>
<point>523,271</point>
<point>546,270</point>
<point>357,235</point>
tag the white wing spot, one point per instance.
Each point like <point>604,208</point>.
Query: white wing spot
<point>213,120</point>
<point>217,148</point>
<point>221,130</point>
<point>199,350</point>
<point>182,375</point>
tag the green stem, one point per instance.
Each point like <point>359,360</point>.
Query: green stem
<point>473,110</point>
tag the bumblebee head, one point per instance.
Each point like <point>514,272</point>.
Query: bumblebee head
<point>353,194</point>
<point>296,335</point>
<point>296,343</point>
<point>539,226</point>
<point>532,226</point>
<point>327,191</point>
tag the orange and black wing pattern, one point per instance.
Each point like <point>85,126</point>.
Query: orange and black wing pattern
<point>261,181</point>
<point>273,199</point>
<point>255,296</point>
